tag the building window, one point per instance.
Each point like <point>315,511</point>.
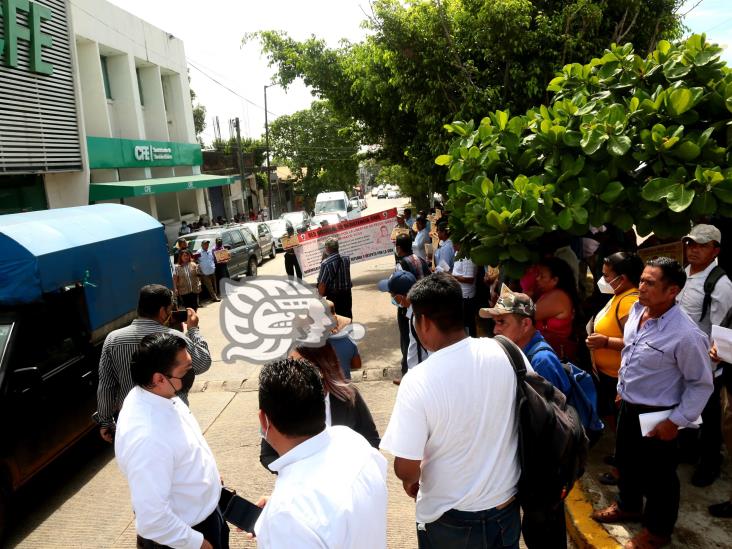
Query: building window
<point>105,77</point>
<point>139,87</point>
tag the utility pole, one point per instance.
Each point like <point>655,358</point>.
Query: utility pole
<point>240,158</point>
<point>266,141</point>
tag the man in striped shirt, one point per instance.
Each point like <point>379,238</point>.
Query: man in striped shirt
<point>154,309</point>
<point>334,279</point>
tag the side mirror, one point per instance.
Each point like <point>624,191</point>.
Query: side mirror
<point>350,208</point>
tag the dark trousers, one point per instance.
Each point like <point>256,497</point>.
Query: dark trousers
<point>647,468</point>
<point>469,316</point>
<point>705,444</point>
<point>545,529</point>
<point>189,301</point>
<point>343,302</point>
<point>214,530</point>
<point>292,265</point>
<point>403,323</point>
<point>472,530</point>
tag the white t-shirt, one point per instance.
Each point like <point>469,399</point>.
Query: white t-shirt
<point>330,493</point>
<point>466,268</point>
<point>456,413</point>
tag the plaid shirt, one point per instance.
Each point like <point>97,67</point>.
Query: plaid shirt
<point>335,273</point>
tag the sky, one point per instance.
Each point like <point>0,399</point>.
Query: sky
<point>212,31</point>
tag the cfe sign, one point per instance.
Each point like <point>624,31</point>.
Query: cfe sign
<point>14,31</point>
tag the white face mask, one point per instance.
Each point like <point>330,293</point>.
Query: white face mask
<point>606,287</point>
<point>263,434</point>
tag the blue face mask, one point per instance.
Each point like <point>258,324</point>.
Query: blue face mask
<point>394,302</point>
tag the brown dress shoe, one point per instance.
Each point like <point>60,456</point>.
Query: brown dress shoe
<point>614,513</point>
<point>647,540</point>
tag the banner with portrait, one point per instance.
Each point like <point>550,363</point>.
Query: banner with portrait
<point>358,239</point>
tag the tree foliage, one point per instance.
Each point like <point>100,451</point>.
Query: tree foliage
<point>626,140</point>
<point>199,116</point>
<point>319,147</point>
<point>425,63</point>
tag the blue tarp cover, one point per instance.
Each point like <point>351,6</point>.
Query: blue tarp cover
<point>122,249</point>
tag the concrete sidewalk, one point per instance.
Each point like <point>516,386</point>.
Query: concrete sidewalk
<point>695,529</point>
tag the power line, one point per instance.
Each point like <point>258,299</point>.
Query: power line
<point>227,88</point>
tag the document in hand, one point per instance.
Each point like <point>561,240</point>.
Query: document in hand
<point>650,420</point>
<point>722,337</point>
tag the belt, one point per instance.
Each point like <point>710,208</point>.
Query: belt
<point>644,408</point>
<point>143,543</point>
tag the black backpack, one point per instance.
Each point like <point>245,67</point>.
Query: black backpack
<point>709,284</point>
<point>552,442</point>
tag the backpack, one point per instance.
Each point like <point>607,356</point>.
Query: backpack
<point>552,445</point>
<point>582,394</point>
<point>709,284</point>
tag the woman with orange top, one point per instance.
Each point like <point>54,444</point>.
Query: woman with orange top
<point>620,277</point>
<point>556,306</point>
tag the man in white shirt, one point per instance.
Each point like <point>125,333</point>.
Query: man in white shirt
<point>174,482</point>
<point>207,267</point>
<point>464,272</point>
<point>331,484</point>
<point>703,245</point>
<point>453,430</point>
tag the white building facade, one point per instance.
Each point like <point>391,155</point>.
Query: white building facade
<point>95,106</point>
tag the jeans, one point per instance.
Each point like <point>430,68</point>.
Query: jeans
<point>647,468</point>
<point>214,530</point>
<point>493,528</point>
<point>545,529</point>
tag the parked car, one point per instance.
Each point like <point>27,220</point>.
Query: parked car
<point>264,236</point>
<point>67,293</point>
<point>319,220</point>
<point>355,203</point>
<point>278,228</point>
<point>374,191</point>
<point>392,194</point>
<point>336,202</point>
<point>363,203</point>
<point>382,193</point>
<point>246,253</point>
<point>300,220</point>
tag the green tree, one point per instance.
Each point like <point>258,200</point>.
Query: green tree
<point>626,140</point>
<point>426,63</point>
<point>319,147</point>
<point>199,115</point>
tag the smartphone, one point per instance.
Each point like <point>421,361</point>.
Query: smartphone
<point>238,511</point>
<point>180,315</point>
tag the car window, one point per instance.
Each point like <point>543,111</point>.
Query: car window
<point>227,240</point>
<point>263,230</point>
<point>248,236</point>
<point>236,238</point>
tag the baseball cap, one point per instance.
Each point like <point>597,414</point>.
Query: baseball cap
<point>701,234</point>
<point>206,242</point>
<point>398,283</point>
<point>510,303</point>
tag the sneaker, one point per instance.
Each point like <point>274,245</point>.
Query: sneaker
<point>721,510</point>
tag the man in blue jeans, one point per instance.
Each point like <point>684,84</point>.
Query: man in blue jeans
<point>453,431</point>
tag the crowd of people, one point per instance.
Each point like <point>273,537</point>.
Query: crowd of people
<point>642,330</point>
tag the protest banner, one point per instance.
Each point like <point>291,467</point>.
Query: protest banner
<point>358,239</point>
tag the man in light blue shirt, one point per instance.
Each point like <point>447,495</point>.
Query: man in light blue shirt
<point>207,266</point>
<point>445,252</point>
<point>421,239</point>
<point>664,368</point>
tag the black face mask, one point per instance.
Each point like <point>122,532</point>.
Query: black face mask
<point>186,382</point>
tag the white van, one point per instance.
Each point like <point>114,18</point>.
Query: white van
<point>336,203</point>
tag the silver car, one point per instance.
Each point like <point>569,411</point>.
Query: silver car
<point>278,228</point>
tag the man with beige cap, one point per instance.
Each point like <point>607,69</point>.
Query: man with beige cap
<point>706,298</point>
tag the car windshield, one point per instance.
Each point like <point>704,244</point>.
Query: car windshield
<point>330,206</point>
<point>195,240</point>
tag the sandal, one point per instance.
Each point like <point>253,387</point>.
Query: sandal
<point>614,513</point>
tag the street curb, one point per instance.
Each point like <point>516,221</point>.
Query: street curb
<point>584,532</point>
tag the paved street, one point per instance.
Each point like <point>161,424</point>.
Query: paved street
<point>83,501</point>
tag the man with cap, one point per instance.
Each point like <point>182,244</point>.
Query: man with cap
<point>514,318</point>
<point>398,285</point>
<point>706,298</point>
<point>207,268</point>
<point>222,271</point>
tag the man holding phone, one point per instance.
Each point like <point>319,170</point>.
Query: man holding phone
<point>331,484</point>
<point>174,482</point>
<point>154,314</point>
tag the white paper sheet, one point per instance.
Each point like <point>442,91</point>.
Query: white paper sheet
<point>651,419</point>
<point>722,337</point>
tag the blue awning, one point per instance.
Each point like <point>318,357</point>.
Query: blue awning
<point>115,249</point>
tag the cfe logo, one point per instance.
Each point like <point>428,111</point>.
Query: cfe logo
<point>143,153</point>
<point>10,11</point>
